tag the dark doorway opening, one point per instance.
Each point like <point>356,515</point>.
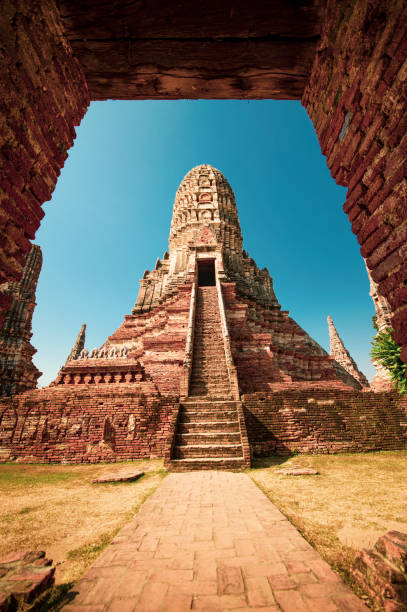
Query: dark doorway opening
<point>206,273</point>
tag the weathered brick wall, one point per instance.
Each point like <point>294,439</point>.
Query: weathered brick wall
<point>43,94</point>
<point>325,421</point>
<point>154,349</point>
<point>357,100</point>
<point>118,422</point>
<point>270,349</point>
<point>79,424</point>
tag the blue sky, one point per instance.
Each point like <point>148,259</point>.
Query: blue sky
<point>110,215</point>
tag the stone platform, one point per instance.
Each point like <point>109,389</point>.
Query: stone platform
<point>211,541</point>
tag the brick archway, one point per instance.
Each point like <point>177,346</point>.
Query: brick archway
<point>345,61</point>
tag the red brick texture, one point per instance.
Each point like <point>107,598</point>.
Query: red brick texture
<point>271,350</point>
<point>356,99</point>
<point>118,422</point>
<point>43,94</point>
<point>382,572</point>
<point>82,423</point>
<point>24,575</point>
<point>155,350</point>
<point>324,421</point>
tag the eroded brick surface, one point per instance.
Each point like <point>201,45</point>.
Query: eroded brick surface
<point>324,421</point>
<point>381,572</point>
<point>17,371</point>
<point>87,423</point>
<point>43,96</point>
<point>356,99</point>
<point>193,545</point>
<point>24,575</point>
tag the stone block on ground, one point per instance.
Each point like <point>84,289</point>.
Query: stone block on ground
<point>122,476</point>
<point>297,472</point>
<point>381,572</point>
<point>393,546</point>
<point>24,575</point>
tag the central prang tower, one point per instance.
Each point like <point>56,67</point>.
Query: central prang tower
<point>204,219</point>
<point>206,322</point>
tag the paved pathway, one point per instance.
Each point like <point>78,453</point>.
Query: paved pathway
<point>211,541</point>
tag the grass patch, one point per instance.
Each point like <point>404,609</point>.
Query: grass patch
<point>59,510</point>
<point>91,550</point>
<point>354,500</point>
<point>83,556</point>
<point>27,477</point>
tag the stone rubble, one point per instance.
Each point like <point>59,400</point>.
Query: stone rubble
<point>24,575</point>
<point>382,572</point>
<point>128,475</point>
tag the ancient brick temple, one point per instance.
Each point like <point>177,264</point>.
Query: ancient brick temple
<point>206,321</point>
<point>206,370</point>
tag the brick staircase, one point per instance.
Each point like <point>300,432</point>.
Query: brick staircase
<point>209,375</point>
<point>208,434</point>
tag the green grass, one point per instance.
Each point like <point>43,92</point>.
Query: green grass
<point>11,478</point>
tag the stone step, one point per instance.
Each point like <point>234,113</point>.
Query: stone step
<point>200,387</point>
<point>211,393</point>
<point>204,353</point>
<point>207,383</point>
<point>215,463</point>
<point>208,349</point>
<point>210,342</point>
<point>185,451</point>
<point>214,397</point>
<point>217,362</point>
<point>202,415</point>
<point>219,381</point>
<point>210,363</point>
<point>211,438</point>
<point>222,403</point>
<point>209,427</point>
<point>216,381</point>
<point>205,358</point>
<point>217,371</point>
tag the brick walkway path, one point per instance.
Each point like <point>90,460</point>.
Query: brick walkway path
<point>211,541</point>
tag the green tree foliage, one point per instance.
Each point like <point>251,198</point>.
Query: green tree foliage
<point>386,352</point>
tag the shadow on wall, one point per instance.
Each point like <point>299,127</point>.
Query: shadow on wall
<point>265,442</point>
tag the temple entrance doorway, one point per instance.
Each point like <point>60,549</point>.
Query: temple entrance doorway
<point>206,273</point>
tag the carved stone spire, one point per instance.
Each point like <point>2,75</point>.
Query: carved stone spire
<point>17,371</point>
<point>342,356</point>
<point>79,345</point>
<point>205,218</point>
<point>382,379</point>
